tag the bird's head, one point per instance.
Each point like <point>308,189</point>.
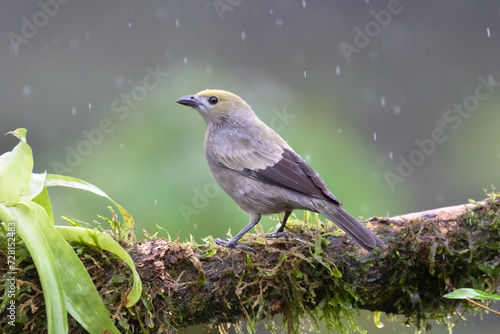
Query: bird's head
<point>218,105</point>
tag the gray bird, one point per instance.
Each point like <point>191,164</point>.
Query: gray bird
<point>261,172</point>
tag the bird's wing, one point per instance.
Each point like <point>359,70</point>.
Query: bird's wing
<point>244,147</point>
<point>292,172</point>
<point>261,154</point>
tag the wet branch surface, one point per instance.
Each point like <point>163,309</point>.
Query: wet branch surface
<point>317,271</point>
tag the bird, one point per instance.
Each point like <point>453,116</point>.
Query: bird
<point>261,172</point>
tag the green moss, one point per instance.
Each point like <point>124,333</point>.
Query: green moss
<point>308,279</point>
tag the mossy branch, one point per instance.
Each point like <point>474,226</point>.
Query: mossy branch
<point>317,274</point>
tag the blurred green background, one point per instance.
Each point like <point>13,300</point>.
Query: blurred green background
<point>79,77</point>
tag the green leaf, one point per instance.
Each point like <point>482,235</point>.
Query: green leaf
<point>29,227</point>
<point>71,182</point>
<point>43,200</point>
<point>376,319</point>
<point>5,215</point>
<point>104,241</point>
<point>471,294</point>
<point>35,185</point>
<point>82,299</point>
<point>211,252</point>
<point>15,170</point>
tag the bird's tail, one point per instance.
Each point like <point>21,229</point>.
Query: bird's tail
<point>363,236</point>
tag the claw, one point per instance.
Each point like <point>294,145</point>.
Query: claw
<point>278,234</point>
<point>230,244</point>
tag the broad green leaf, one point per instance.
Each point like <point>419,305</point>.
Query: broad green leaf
<point>5,215</point>
<point>106,242</point>
<point>35,185</point>
<point>82,299</point>
<point>471,294</point>
<point>15,170</point>
<point>71,182</point>
<point>43,200</point>
<point>29,227</point>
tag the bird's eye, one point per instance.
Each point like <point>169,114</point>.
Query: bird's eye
<point>213,100</point>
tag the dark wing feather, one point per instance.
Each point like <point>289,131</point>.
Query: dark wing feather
<point>294,173</point>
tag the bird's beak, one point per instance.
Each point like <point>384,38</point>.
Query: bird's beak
<point>188,100</point>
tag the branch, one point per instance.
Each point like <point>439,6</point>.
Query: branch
<point>318,269</point>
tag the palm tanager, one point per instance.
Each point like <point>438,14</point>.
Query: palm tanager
<point>261,172</point>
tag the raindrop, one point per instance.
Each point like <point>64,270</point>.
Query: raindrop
<point>73,111</point>
<point>367,1</point>
<point>373,54</point>
<point>271,11</point>
<point>176,22</point>
<point>390,155</point>
<point>415,297</point>
<point>185,60</point>
<point>13,51</point>
<point>382,101</point>
<point>279,22</point>
<point>337,70</point>
<point>195,226</point>
<point>208,69</point>
<point>168,54</point>
<point>304,3</point>
<point>243,35</point>
<point>156,202</point>
<point>374,136</point>
<point>339,130</point>
<point>119,81</point>
<point>160,13</point>
<point>488,32</point>
<point>305,74</point>
<point>443,256</point>
<point>121,145</point>
<point>439,198</point>
<point>397,110</point>
<point>491,79</point>
<point>87,35</point>
<point>74,43</point>
<point>26,90</point>
<point>90,105</point>
<point>55,41</point>
<point>129,24</point>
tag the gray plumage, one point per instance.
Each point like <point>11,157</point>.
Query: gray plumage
<point>261,172</point>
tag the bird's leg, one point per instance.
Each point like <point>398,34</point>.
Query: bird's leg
<point>280,232</point>
<point>233,243</point>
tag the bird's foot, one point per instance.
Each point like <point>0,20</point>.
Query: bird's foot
<point>229,243</point>
<point>278,234</point>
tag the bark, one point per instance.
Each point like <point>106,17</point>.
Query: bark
<point>317,272</point>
